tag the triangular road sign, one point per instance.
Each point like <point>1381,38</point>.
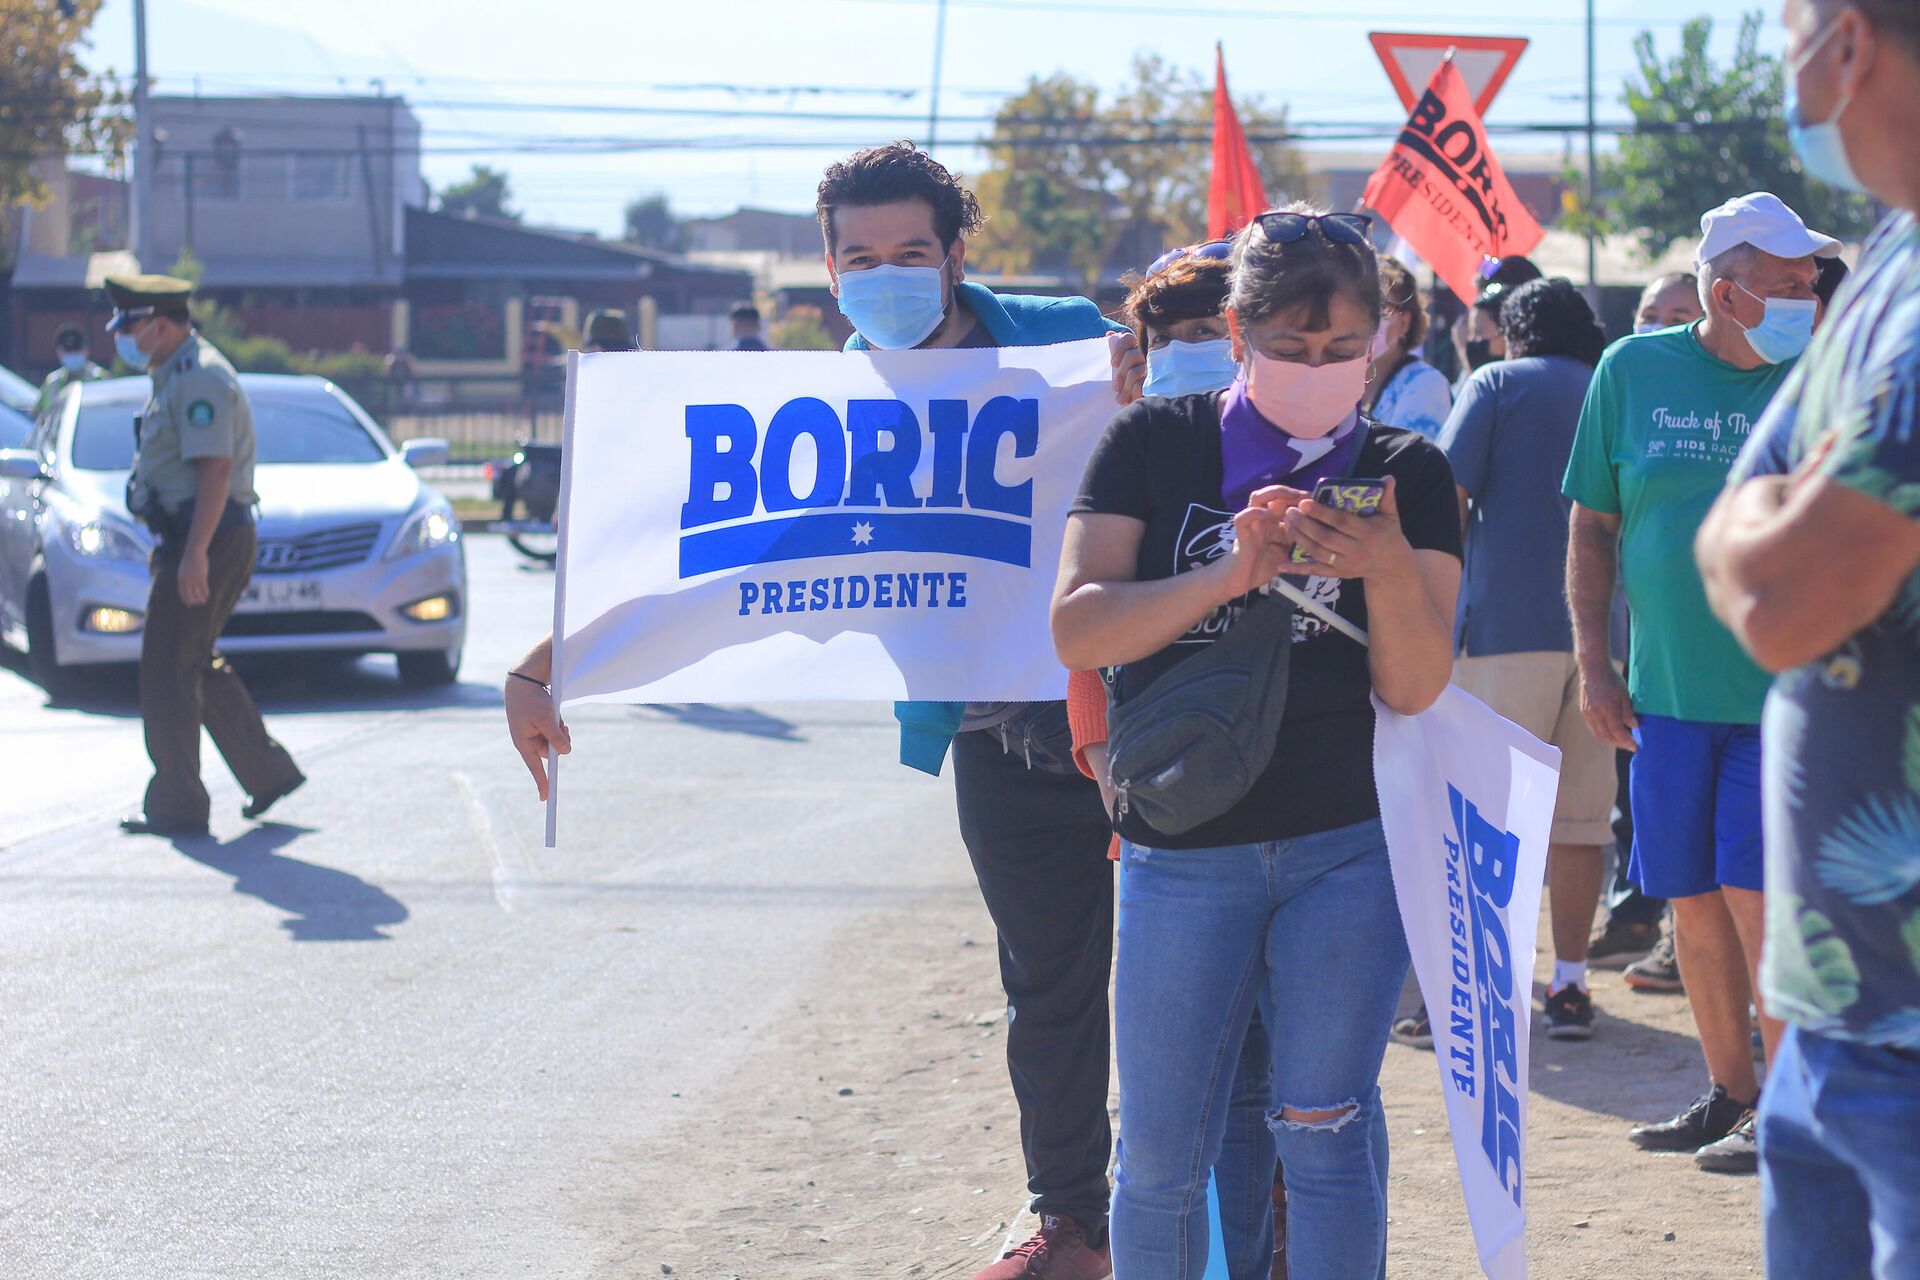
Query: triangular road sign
<point>1485,62</point>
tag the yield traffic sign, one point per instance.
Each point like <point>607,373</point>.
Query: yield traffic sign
<point>1484,62</point>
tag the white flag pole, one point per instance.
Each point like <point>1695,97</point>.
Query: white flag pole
<point>560,597</point>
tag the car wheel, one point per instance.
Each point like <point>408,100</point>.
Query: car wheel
<point>43,667</point>
<point>432,669</point>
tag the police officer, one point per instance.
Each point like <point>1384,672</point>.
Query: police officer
<point>192,483</point>
<point>70,345</point>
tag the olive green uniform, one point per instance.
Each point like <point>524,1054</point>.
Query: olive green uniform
<point>197,411</point>
<point>60,379</point>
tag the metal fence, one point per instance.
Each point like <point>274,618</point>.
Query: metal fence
<point>479,418</point>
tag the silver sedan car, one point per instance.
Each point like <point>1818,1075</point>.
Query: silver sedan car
<point>357,555</point>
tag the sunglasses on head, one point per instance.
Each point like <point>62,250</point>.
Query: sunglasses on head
<point>1340,228</point>
<point>1214,249</point>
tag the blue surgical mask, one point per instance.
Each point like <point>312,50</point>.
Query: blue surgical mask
<point>1822,151</point>
<point>129,351</point>
<point>1785,328</point>
<point>1648,327</point>
<point>1190,368</point>
<point>73,361</point>
<point>893,308</point>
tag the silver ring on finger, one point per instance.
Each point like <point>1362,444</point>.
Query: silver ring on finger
<point>1332,558</point>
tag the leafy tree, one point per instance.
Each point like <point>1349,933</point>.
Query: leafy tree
<point>52,104</point>
<point>484,193</point>
<point>651,223</point>
<point>1705,133</point>
<point>801,329</point>
<point>1082,188</point>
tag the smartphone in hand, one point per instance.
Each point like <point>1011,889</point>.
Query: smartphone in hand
<point>1357,494</point>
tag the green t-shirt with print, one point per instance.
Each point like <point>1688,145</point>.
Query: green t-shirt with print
<point>1662,424</point>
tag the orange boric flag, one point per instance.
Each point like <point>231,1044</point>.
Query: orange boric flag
<point>1236,193</point>
<point>1443,190</point>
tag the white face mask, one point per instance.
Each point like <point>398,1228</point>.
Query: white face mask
<point>73,361</point>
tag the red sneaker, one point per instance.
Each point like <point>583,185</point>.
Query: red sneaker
<point>1059,1252</point>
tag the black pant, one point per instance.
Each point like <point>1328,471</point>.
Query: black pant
<point>1625,901</point>
<point>1038,841</point>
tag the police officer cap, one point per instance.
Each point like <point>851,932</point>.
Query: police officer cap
<point>135,297</point>
<point>608,329</point>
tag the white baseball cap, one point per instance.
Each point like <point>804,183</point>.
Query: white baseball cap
<point>1762,220</point>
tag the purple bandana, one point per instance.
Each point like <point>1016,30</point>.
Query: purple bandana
<point>1254,453</point>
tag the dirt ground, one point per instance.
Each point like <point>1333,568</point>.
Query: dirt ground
<point>877,1137</point>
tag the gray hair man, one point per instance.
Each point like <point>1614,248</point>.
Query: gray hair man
<point>1665,416</point>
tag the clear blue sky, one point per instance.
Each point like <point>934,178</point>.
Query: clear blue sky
<point>489,61</point>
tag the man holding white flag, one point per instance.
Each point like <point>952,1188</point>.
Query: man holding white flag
<point>986,532</point>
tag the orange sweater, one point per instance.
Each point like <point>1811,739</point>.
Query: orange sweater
<point>1087,717</point>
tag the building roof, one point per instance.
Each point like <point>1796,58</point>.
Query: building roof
<point>444,246</point>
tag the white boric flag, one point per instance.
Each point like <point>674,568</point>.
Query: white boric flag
<point>1466,799</point>
<point>746,526</point>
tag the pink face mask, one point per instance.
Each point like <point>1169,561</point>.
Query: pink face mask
<point>1305,401</point>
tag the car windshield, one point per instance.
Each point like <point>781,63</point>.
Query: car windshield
<point>305,427</point>
<point>16,392</point>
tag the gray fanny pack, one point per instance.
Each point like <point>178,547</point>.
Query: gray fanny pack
<point>1190,745</point>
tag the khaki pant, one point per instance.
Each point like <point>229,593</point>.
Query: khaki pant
<point>184,684</point>
<point>1540,692</point>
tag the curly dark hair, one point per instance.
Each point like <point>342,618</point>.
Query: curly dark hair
<point>1187,288</point>
<point>894,172</point>
<point>1549,317</point>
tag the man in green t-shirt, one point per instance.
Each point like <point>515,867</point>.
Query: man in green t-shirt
<point>1665,417</point>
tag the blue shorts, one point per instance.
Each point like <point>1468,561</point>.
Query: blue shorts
<point>1696,807</point>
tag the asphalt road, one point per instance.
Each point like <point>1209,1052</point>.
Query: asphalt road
<point>385,1033</point>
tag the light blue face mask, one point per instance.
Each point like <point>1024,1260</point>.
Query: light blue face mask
<point>1647,327</point>
<point>1785,328</point>
<point>73,361</point>
<point>129,351</point>
<point>893,308</point>
<point>1190,368</point>
<point>1822,151</point>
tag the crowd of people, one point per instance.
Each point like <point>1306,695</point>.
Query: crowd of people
<point>1688,559</point>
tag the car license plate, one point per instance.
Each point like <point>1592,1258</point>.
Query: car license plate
<point>280,595</point>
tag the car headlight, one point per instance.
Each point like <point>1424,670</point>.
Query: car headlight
<point>430,527</point>
<point>104,538</point>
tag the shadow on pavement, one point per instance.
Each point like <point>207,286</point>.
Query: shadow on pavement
<point>327,905</point>
<point>1619,1072</point>
<point>704,715</point>
<point>302,684</point>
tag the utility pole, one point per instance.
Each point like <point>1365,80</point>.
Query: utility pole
<point>1593,179</point>
<point>140,213</point>
<point>939,51</point>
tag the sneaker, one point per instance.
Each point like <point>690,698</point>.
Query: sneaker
<point>1660,971</point>
<point>1413,1030</point>
<point>1059,1252</point>
<point>1570,1013</point>
<point>1712,1117</point>
<point>1738,1152</point>
<point>1621,943</point>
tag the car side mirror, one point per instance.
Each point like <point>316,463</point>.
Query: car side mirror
<point>427,451</point>
<point>22,464</point>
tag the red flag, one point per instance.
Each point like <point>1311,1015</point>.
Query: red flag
<point>1236,194</point>
<point>1442,189</point>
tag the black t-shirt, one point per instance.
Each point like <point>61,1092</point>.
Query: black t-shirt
<point>1159,462</point>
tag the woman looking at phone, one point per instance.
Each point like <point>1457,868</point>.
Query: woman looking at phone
<point>1188,506</point>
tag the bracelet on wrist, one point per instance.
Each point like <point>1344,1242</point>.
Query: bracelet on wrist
<point>521,675</point>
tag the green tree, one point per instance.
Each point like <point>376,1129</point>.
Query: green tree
<point>51,105</point>
<point>1705,133</point>
<point>651,222</point>
<point>1082,188</point>
<point>801,329</point>
<point>483,193</point>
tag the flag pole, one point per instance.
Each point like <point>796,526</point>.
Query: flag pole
<point>558,673</point>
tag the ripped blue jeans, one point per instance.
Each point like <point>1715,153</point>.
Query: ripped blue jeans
<point>1308,930</point>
